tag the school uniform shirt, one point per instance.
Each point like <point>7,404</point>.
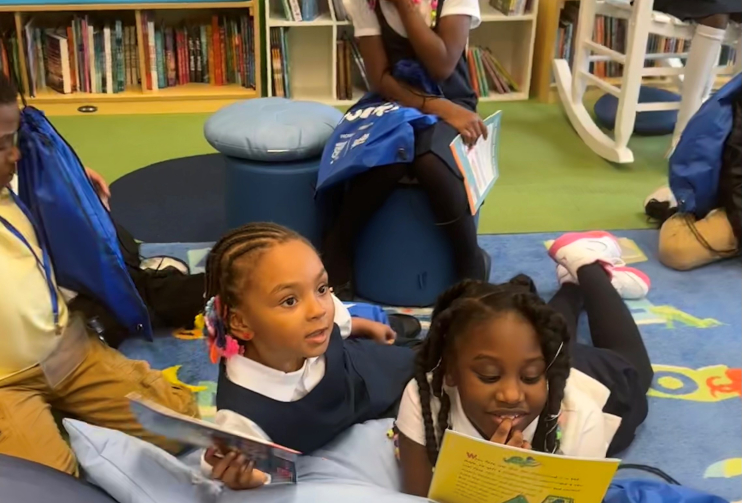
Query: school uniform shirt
<point>366,24</point>
<point>586,430</point>
<point>27,330</point>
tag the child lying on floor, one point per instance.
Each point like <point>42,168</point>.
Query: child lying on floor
<point>500,364</point>
<point>286,360</point>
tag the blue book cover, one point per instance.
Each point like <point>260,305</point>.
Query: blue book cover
<point>478,164</point>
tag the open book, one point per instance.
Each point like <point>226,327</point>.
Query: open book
<point>471,469</point>
<point>478,164</point>
<point>276,461</point>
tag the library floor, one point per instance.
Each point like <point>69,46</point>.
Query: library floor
<point>549,181</point>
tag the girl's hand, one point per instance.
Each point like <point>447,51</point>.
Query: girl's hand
<point>504,435</point>
<point>379,332</point>
<point>469,125</point>
<point>234,470</point>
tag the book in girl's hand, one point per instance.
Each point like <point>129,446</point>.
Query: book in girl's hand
<point>473,469</point>
<point>478,164</point>
<point>274,460</point>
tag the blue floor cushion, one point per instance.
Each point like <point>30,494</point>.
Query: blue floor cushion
<point>647,123</point>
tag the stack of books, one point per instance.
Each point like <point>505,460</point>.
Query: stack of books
<point>279,62</point>
<point>512,7</point>
<point>81,57</point>
<point>348,56</point>
<point>9,62</point>
<point>219,53</point>
<point>300,10</point>
<point>487,74</point>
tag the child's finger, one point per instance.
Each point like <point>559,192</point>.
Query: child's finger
<point>212,456</point>
<point>516,439</point>
<point>527,445</point>
<point>232,475</point>
<point>222,465</point>
<point>503,430</point>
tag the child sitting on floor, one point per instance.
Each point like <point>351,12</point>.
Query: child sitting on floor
<point>286,359</point>
<point>499,364</point>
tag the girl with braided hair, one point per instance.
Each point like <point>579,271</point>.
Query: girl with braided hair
<point>293,367</point>
<point>501,364</point>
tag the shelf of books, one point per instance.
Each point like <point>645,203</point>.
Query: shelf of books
<point>132,58</point>
<point>611,32</point>
<point>312,55</point>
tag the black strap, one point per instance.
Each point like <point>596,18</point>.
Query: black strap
<point>438,11</point>
<point>650,469</point>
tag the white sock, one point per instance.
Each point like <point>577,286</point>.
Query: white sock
<point>699,75</point>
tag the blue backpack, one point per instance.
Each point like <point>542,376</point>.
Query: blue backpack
<point>72,223</point>
<point>376,132</point>
<point>696,163</point>
<point>650,491</point>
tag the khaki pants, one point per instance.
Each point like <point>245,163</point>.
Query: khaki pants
<point>95,393</point>
<point>681,249</point>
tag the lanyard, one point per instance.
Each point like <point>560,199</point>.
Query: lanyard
<point>44,263</point>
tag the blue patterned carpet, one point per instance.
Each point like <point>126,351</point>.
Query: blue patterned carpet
<point>691,323</point>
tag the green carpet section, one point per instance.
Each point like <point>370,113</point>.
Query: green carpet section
<point>549,180</point>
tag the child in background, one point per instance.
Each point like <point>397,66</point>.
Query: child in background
<point>286,359</point>
<point>496,364</point>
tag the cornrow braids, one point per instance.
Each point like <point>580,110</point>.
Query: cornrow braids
<point>251,239</point>
<point>471,302</point>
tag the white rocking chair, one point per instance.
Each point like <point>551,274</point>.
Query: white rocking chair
<point>643,21</point>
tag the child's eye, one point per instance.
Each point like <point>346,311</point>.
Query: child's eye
<point>531,379</point>
<point>488,379</point>
<point>290,302</point>
<point>323,289</point>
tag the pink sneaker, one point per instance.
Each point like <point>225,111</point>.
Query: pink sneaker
<point>575,249</point>
<point>630,283</point>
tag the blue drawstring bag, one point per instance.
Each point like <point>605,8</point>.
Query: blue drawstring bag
<point>650,491</point>
<point>376,132</point>
<point>73,224</point>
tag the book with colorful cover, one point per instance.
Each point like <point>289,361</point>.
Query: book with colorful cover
<point>276,461</point>
<point>473,469</point>
<point>478,164</point>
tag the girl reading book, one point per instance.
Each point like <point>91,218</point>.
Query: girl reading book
<point>501,364</point>
<point>290,358</point>
<point>434,34</point>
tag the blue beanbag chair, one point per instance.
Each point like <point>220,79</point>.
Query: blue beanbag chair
<point>647,123</point>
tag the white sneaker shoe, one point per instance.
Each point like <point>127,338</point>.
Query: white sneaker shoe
<point>160,263</point>
<point>630,283</point>
<point>575,249</point>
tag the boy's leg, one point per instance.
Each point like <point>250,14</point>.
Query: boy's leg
<point>687,243</point>
<point>96,393</point>
<point>27,427</point>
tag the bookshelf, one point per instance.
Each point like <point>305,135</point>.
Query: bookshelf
<point>548,25</point>
<point>188,93</point>
<point>312,57</point>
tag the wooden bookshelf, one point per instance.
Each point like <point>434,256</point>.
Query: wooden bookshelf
<point>185,98</point>
<point>312,51</point>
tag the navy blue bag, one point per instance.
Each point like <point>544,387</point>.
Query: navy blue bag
<point>650,491</point>
<point>376,132</point>
<point>696,163</point>
<point>73,224</point>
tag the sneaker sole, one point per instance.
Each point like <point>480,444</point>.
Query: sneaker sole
<point>637,273</point>
<point>571,237</point>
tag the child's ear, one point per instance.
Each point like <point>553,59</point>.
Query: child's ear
<point>450,380</point>
<point>238,325</point>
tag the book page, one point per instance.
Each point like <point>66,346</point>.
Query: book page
<point>478,164</point>
<point>475,470</point>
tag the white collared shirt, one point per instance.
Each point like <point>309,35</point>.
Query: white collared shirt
<point>586,430</point>
<point>366,24</point>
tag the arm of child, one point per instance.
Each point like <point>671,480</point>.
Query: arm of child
<point>342,318</point>
<point>374,330</point>
<point>417,472</point>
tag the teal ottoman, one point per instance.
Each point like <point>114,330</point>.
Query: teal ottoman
<point>272,149</point>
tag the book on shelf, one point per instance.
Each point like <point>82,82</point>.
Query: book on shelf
<point>218,53</point>
<point>612,33</point>
<point>300,10</point>
<point>487,75</point>
<point>473,469</point>
<point>276,461</point>
<point>349,57</point>
<point>80,57</point>
<point>511,7</point>
<point>280,83</point>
